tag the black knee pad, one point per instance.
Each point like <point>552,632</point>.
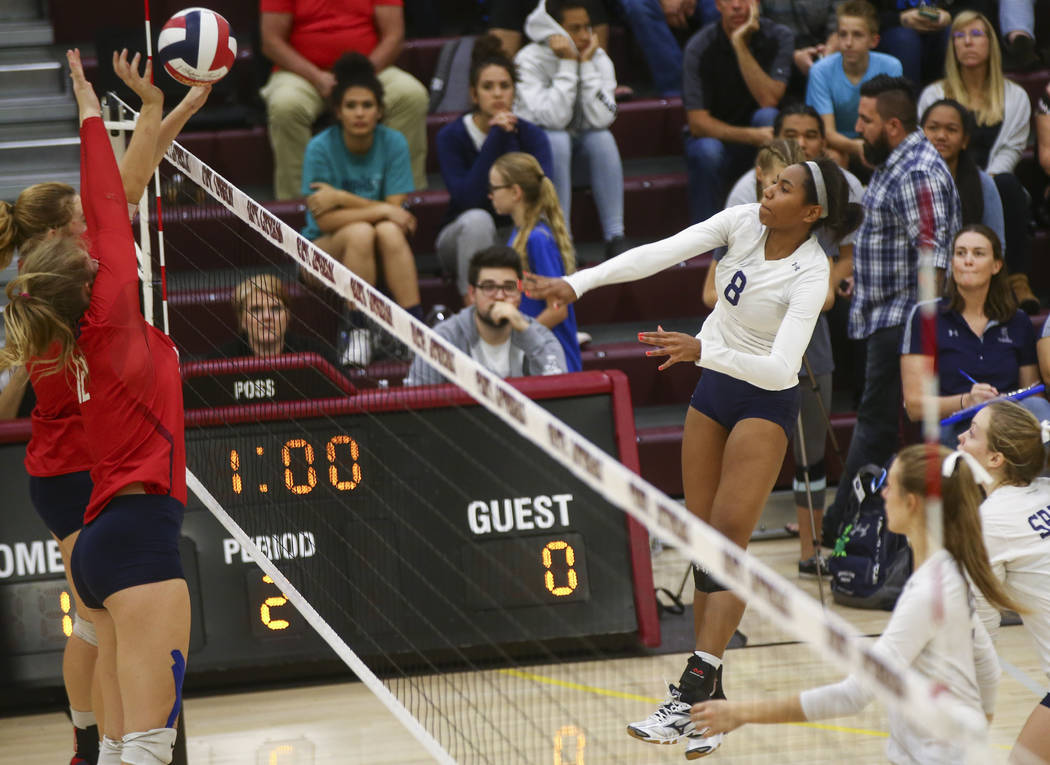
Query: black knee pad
<point>704,582</point>
<point>818,482</point>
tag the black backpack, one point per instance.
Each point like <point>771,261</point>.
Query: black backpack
<point>870,563</point>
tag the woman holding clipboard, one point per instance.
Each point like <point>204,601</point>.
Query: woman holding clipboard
<point>985,344</point>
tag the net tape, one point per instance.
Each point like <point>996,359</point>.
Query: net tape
<point>828,634</point>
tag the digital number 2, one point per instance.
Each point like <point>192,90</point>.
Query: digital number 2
<point>735,287</point>
<point>1040,522</point>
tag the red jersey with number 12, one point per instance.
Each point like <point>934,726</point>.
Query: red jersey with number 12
<point>131,400</point>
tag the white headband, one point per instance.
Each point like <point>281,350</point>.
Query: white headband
<point>979,473</point>
<point>818,182</point>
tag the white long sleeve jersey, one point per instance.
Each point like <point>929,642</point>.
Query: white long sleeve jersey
<point>766,309</point>
<point>957,653</point>
<point>1016,525</point>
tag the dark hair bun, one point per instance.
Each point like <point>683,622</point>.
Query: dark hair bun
<point>352,66</point>
<point>486,47</point>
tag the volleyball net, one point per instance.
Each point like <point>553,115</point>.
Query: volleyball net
<point>475,552</point>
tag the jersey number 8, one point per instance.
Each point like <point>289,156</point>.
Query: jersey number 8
<point>735,287</point>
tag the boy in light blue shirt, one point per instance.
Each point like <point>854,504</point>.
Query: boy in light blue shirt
<point>834,81</point>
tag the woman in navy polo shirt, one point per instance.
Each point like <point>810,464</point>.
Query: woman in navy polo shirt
<point>982,336</point>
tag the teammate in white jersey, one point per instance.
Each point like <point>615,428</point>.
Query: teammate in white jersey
<point>955,651</point>
<point>1015,519</point>
<point>771,283</point>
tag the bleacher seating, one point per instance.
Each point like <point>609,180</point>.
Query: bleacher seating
<point>655,206</point>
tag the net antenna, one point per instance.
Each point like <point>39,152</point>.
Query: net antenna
<point>750,579</point>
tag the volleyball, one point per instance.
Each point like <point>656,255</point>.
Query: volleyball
<point>196,46</point>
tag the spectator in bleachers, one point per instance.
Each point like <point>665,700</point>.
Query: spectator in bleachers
<point>356,176</point>
<point>568,88</point>
<point>910,206</point>
<point>974,78</point>
<point>491,328</point>
<point>835,80</point>
<point>813,24</point>
<point>304,38</point>
<point>810,439</point>
<point>981,335</point>
<point>916,34</point>
<point>657,26</point>
<point>1017,23</point>
<point>507,22</point>
<point>1042,135</point>
<point>948,125</point>
<point>520,189</point>
<point>466,149</point>
<point>735,73</point>
<point>263,309</point>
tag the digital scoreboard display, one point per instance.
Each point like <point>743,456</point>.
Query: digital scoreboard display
<point>408,530</point>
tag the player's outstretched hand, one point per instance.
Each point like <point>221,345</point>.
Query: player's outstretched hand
<point>141,84</point>
<point>87,101</point>
<point>716,716</point>
<point>548,288</point>
<point>196,97</point>
<point>677,346</point>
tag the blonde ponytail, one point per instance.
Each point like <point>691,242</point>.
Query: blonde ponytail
<point>38,209</point>
<point>541,203</point>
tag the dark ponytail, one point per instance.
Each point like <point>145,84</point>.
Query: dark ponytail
<point>353,70</point>
<point>843,216</point>
<point>967,173</point>
<point>488,51</point>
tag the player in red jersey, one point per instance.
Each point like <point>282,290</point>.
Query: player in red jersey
<point>125,564</point>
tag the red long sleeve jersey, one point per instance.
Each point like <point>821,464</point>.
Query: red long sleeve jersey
<point>58,444</point>
<point>131,400</point>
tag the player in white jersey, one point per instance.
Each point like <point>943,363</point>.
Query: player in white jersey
<point>1015,519</point>
<point>771,283</point>
<point>955,651</point>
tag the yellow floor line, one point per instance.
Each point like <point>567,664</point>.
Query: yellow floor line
<point>650,700</point>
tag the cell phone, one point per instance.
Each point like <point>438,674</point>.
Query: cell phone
<point>930,12</point>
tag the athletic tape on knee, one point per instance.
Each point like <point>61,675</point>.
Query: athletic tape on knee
<point>151,747</point>
<point>704,582</point>
<point>178,670</point>
<point>85,630</point>
<point>109,751</point>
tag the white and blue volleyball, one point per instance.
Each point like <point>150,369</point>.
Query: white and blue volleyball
<point>196,47</point>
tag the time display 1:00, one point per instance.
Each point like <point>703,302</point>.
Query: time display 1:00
<point>298,457</point>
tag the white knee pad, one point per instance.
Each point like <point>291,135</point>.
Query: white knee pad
<point>85,630</point>
<point>109,751</point>
<point>151,747</point>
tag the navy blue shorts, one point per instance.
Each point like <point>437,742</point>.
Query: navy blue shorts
<point>133,541</point>
<point>727,401</point>
<point>60,500</point>
<point>1046,701</point>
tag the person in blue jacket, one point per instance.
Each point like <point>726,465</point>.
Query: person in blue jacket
<point>466,149</point>
<point>520,188</point>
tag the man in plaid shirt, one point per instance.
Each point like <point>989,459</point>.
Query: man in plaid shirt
<point>911,205</point>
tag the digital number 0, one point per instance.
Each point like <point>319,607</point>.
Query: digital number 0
<point>333,470</point>
<point>311,474</point>
<point>735,287</point>
<point>569,732</point>
<point>1040,522</point>
<point>570,561</point>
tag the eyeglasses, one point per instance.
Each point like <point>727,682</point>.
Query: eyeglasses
<point>975,34</point>
<point>494,189</point>
<point>488,289</point>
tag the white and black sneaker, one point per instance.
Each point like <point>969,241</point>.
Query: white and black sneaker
<point>668,724</point>
<point>698,745</point>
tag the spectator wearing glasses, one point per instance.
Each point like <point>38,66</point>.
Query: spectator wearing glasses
<point>491,329</point>
<point>973,76</point>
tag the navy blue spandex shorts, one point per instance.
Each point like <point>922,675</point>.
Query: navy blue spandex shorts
<point>1046,701</point>
<point>60,500</point>
<point>727,401</point>
<point>133,541</point>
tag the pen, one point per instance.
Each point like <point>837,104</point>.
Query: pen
<point>968,377</point>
